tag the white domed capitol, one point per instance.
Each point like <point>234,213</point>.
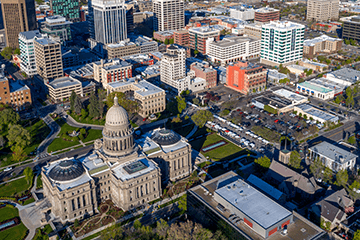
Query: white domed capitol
<point>126,171</point>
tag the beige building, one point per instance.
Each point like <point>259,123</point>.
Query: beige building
<point>112,70</point>
<point>61,88</point>
<point>322,10</point>
<point>151,98</point>
<point>119,169</point>
<point>18,16</point>
<point>48,58</point>
<point>122,49</point>
<point>253,30</point>
<point>322,44</point>
<point>168,15</point>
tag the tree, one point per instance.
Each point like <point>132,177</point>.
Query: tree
<point>111,232</point>
<point>162,227</point>
<point>182,203</point>
<point>337,100</point>
<point>2,141</point>
<point>225,112</point>
<point>342,177</point>
<point>28,172</point>
<point>166,41</point>
<point>317,168</point>
<point>196,101</point>
<point>18,135</point>
<point>295,160</point>
<point>129,105</point>
<point>17,51</point>
<point>350,101</point>
<point>93,106</point>
<point>201,117</point>
<point>357,235</point>
<point>101,96</point>
<point>171,41</point>
<point>9,116</point>
<point>77,105</point>
<point>188,230</point>
<point>181,104</point>
<point>7,53</point>
<point>18,153</point>
<point>137,224</point>
<point>327,175</point>
<point>264,162</point>
<point>352,140</point>
<point>72,100</point>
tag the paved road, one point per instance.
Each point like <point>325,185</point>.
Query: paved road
<point>55,129</point>
<point>41,162</point>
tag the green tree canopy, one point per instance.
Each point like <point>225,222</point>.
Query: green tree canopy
<point>18,153</point>
<point>357,235</point>
<point>342,177</point>
<point>93,106</point>
<point>181,104</point>
<point>352,140</point>
<point>201,117</point>
<point>295,160</point>
<point>129,105</point>
<point>18,135</point>
<point>9,116</point>
<point>263,162</point>
<point>28,172</point>
<point>7,53</point>
<point>72,100</point>
<point>101,97</point>
<point>78,105</point>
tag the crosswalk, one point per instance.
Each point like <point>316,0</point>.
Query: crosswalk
<point>43,155</point>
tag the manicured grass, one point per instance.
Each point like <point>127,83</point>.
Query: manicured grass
<point>225,152</point>
<point>8,212</point>
<point>92,135</point>
<point>47,229</point>
<point>59,143</point>
<point>28,201</point>
<point>39,182</point>
<point>13,188</point>
<point>38,132</point>
<point>87,120</point>
<point>15,233</point>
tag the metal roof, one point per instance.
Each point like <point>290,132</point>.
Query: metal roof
<point>333,152</point>
<point>265,187</point>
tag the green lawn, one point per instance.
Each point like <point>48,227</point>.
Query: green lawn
<point>8,212</point>
<point>15,233</point>
<point>28,201</point>
<point>59,143</point>
<point>39,182</point>
<point>92,135</point>
<point>13,188</point>
<point>87,120</point>
<point>38,132</point>
<point>225,152</point>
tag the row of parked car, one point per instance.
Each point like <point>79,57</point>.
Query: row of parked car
<point>232,134</point>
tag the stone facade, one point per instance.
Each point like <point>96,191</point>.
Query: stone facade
<point>119,169</point>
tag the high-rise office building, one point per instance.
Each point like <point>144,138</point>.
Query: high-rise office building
<point>19,16</point>
<point>27,54</point>
<point>282,43</point>
<point>322,10</point>
<point>172,66</point>
<point>109,21</point>
<point>48,58</point>
<point>266,14</point>
<point>168,15</point>
<point>57,26</point>
<point>351,28</point>
<point>70,9</point>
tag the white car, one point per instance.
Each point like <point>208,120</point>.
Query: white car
<point>243,140</point>
<point>248,132</point>
<point>8,169</point>
<point>252,145</point>
<point>237,136</point>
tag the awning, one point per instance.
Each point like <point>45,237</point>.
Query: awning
<point>312,92</point>
<point>303,89</point>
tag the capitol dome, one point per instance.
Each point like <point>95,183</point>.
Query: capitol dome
<point>117,115</point>
<point>66,170</point>
<point>165,137</point>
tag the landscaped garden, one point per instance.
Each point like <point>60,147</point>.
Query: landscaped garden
<point>17,232</point>
<point>223,152</point>
<point>14,188</point>
<point>42,233</point>
<point>108,213</point>
<point>66,137</point>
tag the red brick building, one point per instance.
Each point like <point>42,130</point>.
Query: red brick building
<point>181,37</point>
<point>265,14</point>
<point>162,35</point>
<point>246,77</point>
<point>206,72</point>
<point>198,37</point>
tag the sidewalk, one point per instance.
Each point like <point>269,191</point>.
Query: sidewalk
<point>54,132</point>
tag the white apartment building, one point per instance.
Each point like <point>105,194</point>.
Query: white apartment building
<point>282,43</point>
<point>109,21</point>
<point>233,49</point>
<point>322,10</point>
<point>27,52</point>
<point>172,67</point>
<point>242,13</point>
<point>168,15</point>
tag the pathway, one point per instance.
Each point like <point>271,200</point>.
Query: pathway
<point>72,122</point>
<point>55,129</point>
<point>193,131</point>
<point>12,180</point>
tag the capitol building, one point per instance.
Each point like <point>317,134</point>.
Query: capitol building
<point>129,172</point>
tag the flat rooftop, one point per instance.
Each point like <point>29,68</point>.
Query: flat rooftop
<point>290,95</point>
<point>62,82</point>
<point>333,152</point>
<point>314,86</point>
<point>312,111</point>
<point>31,34</point>
<point>144,88</point>
<point>283,25</point>
<point>265,187</point>
<point>45,41</point>
<point>322,38</point>
<point>133,169</point>
<point>300,229</point>
<point>228,42</point>
<point>274,100</point>
<point>204,30</point>
<point>328,83</point>
<point>117,64</point>
<point>275,74</point>
<point>346,74</point>
<point>15,86</point>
